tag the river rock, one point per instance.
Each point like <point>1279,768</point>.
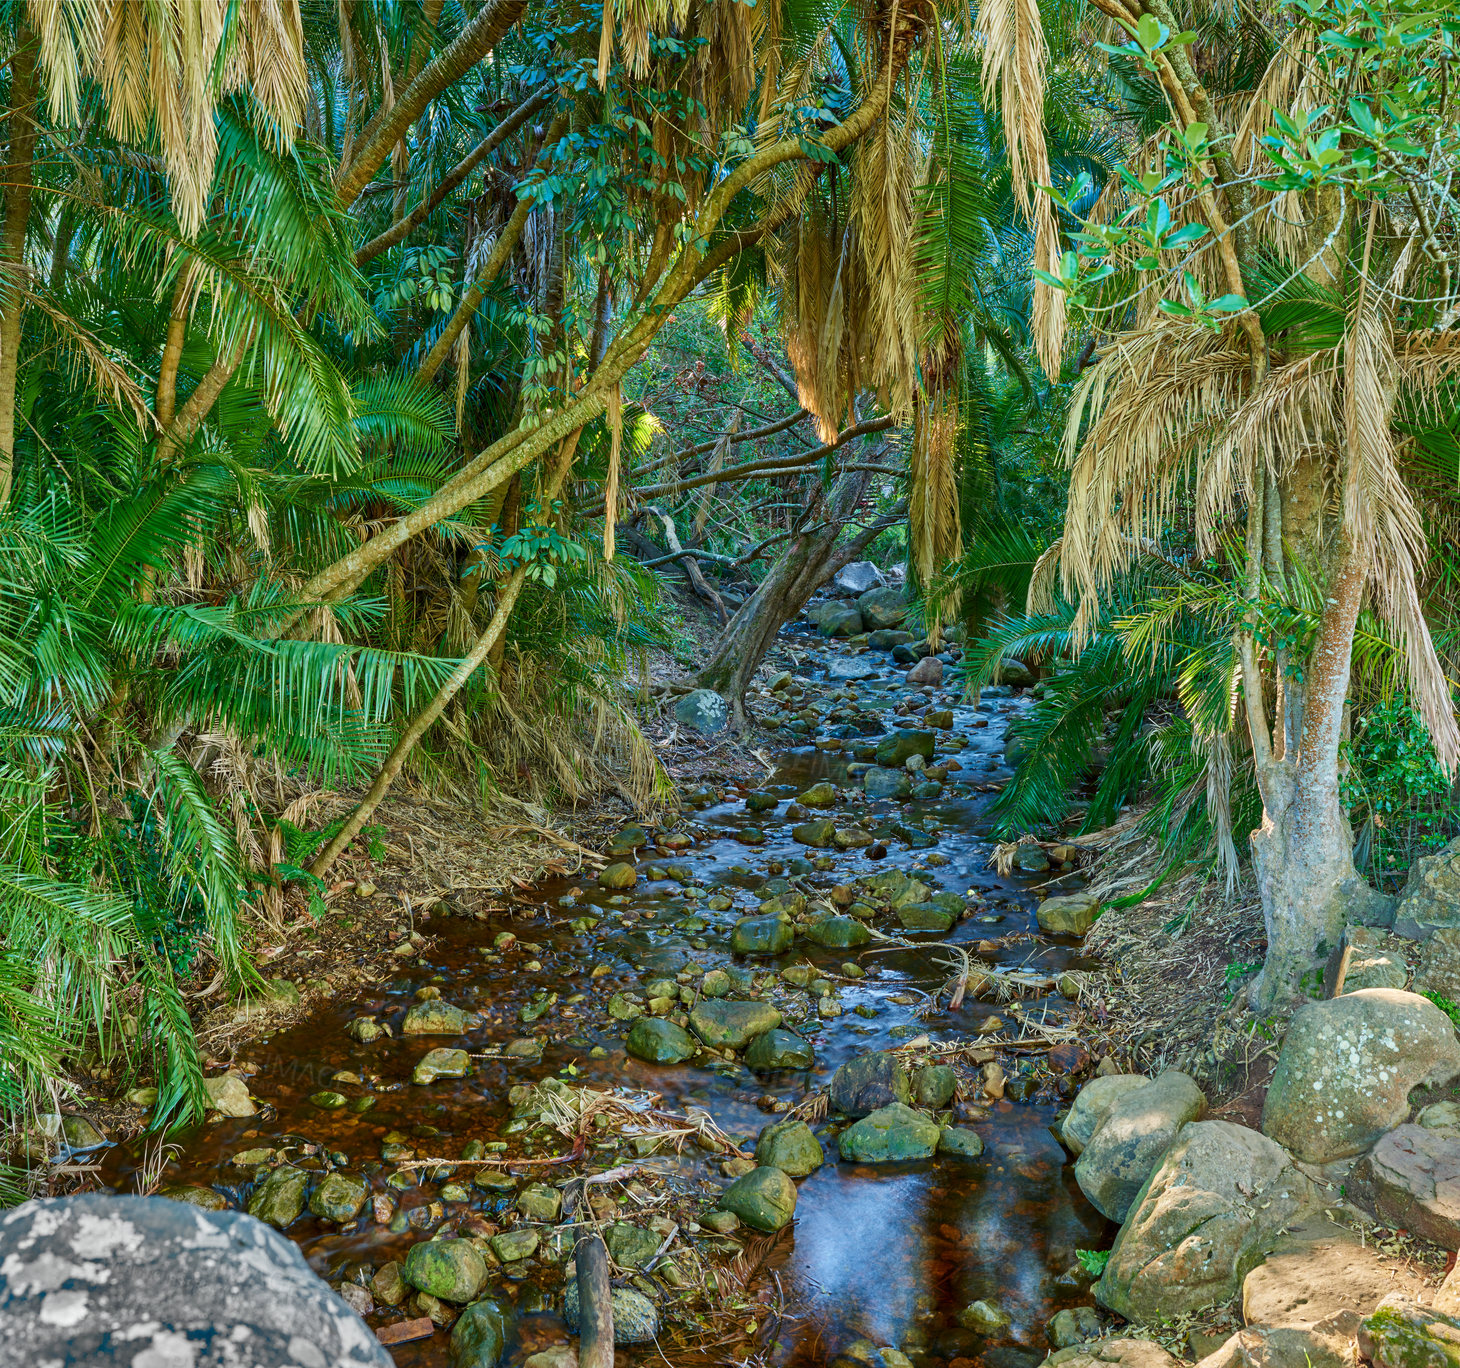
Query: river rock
<point>659,1042</point>
<point>1113,1353</point>
<point>858,577</point>
<point>1137,1130</point>
<point>1317,1270</point>
<point>1014,672</point>
<point>983,1317</point>
<point>1092,1105</point>
<point>450,1270</point>
<point>888,637</point>
<point>863,1085</point>
<point>703,711</point>
<point>958,1142</point>
<point>925,916</point>
<point>896,749</point>
<point>210,1199</point>
<point>890,1135</point>
<point>1430,898</point>
<point>442,1062</point>
<point>631,1246</point>
<point>620,874</point>
<point>278,1200</point>
<point>1411,1179</point>
<point>780,1050</point>
<point>104,1279</point>
<point>539,1202</point>
<point>839,620</point>
<point>764,1198</point>
<point>635,1321</point>
<point>838,933</point>
<point>817,833</point>
<point>1216,1204</point>
<point>761,936</point>
<point>228,1094</point>
<point>339,1197</point>
<point>851,667</point>
<point>733,1025</point>
<point>1073,1325</point>
<point>479,1336</point>
<point>435,1017</point>
<point>933,1086</point>
<point>880,782</point>
<point>1071,915</point>
<point>882,609</point>
<point>929,670</point>
<point>1347,1067</point>
<point>790,1146</point>
<point>1439,965</point>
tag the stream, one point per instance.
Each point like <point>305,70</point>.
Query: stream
<point>890,1253</point>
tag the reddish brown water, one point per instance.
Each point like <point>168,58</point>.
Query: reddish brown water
<point>891,1253</point>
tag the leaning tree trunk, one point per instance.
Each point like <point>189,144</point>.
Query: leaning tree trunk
<point>807,563</point>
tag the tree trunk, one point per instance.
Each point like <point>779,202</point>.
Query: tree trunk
<point>18,176</point>
<point>808,561</point>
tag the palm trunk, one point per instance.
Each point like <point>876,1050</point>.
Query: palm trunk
<point>18,174</point>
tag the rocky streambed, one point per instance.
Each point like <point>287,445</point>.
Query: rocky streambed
<point>805,1059</point>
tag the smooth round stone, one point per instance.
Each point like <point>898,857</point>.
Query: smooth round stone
<point>761,936</point>
<point>958,1142</point>
<point>619,875</point>
<point>791,1147</point>
<point>441,1063</point>
<point>764,1198</point>
<point>339,1198</point>
<point>933,1086</point>
<point>890,1135</point>
<point>659,1042</point>
<point>635,1321</point>
<point>838,933</point>
<point>733,1025</point>
<point>780,1049</point>
<point>450,1270</point>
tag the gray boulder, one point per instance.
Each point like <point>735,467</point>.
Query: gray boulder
<point>1014,672</point>
<point>858,578</point>
<point>882,609</point>
<point>1113,1353</point>
<point>99,1279</point>
<point>1347,1068</point>
<point>851,667</point>
<point>1439,965</point>
<point>890,1135</point>
<point>1325,1344</point>
<point>1093,1105</point>
<point>1430,898</point>
<point>702,710</point>
<point>838,620</point>
<point>1411,1180</point>
<point>880,782</point>
<point>869,1082</point>
<point>1130,1142</point>
<point>1370,964</point>
<point>1210,1212</point>
<point>635,1321</point>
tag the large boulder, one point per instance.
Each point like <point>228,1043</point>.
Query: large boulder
<point>1210,1212</point>
<point>1318,1270</point>
<point>100,1279</point>
<point>790,1146</point>
<point>1430,898</point>
<point>1370,964</point>
<point>839,620</point>
<point>1093,1105</point>
<point>863,1085</point>
<point>1129,1143</point>
<point>703,711</point>
<point>890,1135</point>
<point>1073,914</point>
<point>1325,1344</point>
<point>1439,965</point>
<point>858,577</point>
<point>1113,1353</point>
<point>1347,1068</point>
<point>762,935</point>
<point>1411,1179</point>
<point>898,747</point>
<point>1403,1334</point>
<point>882,609</point>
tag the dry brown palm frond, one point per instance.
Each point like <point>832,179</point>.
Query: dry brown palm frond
<point>934,532</point>
<point>614,417</point>
<point>166,66</point>
<point>1042,579</point>
<point>1150,399</point>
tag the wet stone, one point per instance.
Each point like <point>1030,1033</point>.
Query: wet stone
<point>880,782</point>
<point>278,1200</point>
<point>512,1245</point>
<point>441,1063</point>
<point>838,933</point>
<point>631,1246</point>
<point>538,1202</point>
<point>892,1134</point>
<point>1073,1325</point>
<point>791,1147</point>
<point>659,1042</point>
<point>437,1018</point>
<point>339,1198</point>
<point>893,751</point>
<point>870,1081</point>
<point>779,1049</point>
<point>733,1025</point>
<point>388,1286</point>
<point>818,834</point>
<point>764,1198</point>
<point>208,1198</point>
<point>924,917</point>
<point>635,1321</point>
<point>449,1270</point>
<point>479,1336</point>
<point>933,1086</point>
<point>958,1142</point>
<point>761,936</point>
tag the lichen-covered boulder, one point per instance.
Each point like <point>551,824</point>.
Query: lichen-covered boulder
<point>100,1279</point>
<point>1347,1068</point>
<point>1218,1201</point>
<point>1403,1334</point>
<point>1430,898</point>
<point>450,1270</point>
<point>890,1135</point>
<point>702,710</point>
<point>1129,1142</point>
<point>1411,1180</point>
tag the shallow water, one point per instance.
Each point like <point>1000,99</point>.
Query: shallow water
<point>890,1253</point>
